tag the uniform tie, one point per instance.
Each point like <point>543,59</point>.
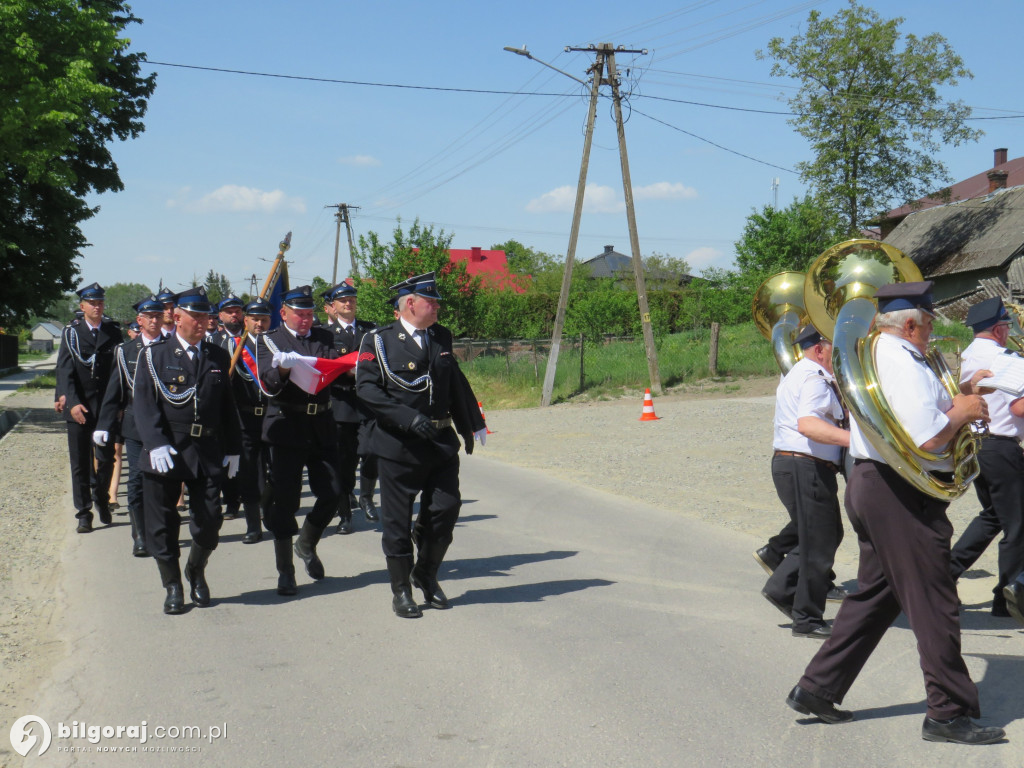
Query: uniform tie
<point>193,353</point>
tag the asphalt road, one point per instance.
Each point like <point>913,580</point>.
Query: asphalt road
<point>586,630</point>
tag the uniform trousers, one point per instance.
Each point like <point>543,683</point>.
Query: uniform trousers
<point>133,451</point>
<point>89,483</point>
<point>252,465</point>
<point>439,508</point>
<point>904,537</point>
<point>1000,489</point>
<point>160,499</point>
<point>348,456</point>
<point>809,491</point>
<point>286,463</point>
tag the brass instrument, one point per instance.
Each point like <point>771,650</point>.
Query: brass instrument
<point>839,296</point>
<point>1015,341</point>
<point>778,309</point>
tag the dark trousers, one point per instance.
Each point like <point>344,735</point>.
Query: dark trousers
<point>252,466</point>
<point>1000,489</point>
<point>133,451</point>
<point>163,524</point>
<point>89,484</point>
<point>904,538</point>
<point>439,508</point>
<point>286,463</point>
<point>348,456</point>
<point>810,493</point>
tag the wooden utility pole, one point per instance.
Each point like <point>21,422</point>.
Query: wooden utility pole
<point>605,58</point>
<point>342,217</point>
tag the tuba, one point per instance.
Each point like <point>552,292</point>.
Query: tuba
<point>839,296</point>
<point>778,309</point>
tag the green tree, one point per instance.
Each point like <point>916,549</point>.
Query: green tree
<point>70,87</point>
<point>217,286</point>
<point>383,264</point>
<point>869,103</point>
<point>776,240</point>
<point>121,298</point>
<point>664,272</point>
<point>524,260</point>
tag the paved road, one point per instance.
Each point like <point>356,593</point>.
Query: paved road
<point>586,631</point>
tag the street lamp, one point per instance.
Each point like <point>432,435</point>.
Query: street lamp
<point>523,52</point>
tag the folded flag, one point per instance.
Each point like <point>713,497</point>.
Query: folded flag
<point>312,374</point>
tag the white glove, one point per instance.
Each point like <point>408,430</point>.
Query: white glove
<point>231,462</point>
<point>481,435</point>
<point>285,359</point>
<point>100,437</point>
<point>160,458</point>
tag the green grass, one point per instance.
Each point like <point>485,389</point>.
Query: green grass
<point>44,381</point>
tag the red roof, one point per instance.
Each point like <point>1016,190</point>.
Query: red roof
<point>490,266</point>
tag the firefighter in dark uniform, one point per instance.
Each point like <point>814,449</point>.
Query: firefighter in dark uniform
<point>186,418</point>
<point>349,412</point>
<point>252,406</point>
<point>83,369</point>
<point>299,431</point>
<point>904,537</point>
<point>230,310</point>
<point>411,381</point>
<point>166,297</point>
<point>118,411</point>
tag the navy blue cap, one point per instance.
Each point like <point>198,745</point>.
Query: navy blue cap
<point>808,337</point>
<point>92,292</point>
<point>258,307</point>
<point>299,298</point>
<point>194,300</point>
<point>987,313</point>
<point>166,295</point>
<point>419,285</point>
<point>339,291</point>
<point>894,296</point>
<point>149,304</point>
<point>229,301</point>
<point>134,326</point>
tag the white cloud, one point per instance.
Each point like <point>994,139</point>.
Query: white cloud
<point>596,199</point>
<point>232,198</point>
<point>701,258</point>
<point>664,190</point>
<point>360,160</point>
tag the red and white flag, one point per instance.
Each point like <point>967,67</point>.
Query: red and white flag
<point>312,374</point>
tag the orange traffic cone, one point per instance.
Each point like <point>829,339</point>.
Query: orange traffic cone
<point>648,414</point>
<point>481,407</point>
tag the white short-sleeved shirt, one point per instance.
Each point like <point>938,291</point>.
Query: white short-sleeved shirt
<point>977,357</point>
<point>914,393</point>
<point>805,391</point>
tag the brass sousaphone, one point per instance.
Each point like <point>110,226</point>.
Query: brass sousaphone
<point>778,310</point>
<point>839,297</point>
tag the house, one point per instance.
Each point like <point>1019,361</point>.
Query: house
<point>970,248</point>
<point>611,263</point>
<point>44,336</point>
<point>491,267</point>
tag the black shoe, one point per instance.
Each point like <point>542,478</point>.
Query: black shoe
<point>837,594</point>
<point>345,524</point>
<point>305,548</point>
<point>432,592</point>
<point>251,537</point>
<point>139,549</point>
<point>1014,594</point>
<point>231,513</point>
<point>807,703</point>
<point>404,606</point>
<point>85,524</point>
<point>104,514</point>
<point>175,602</point>
<point>286,584</point>
<point>814,632</point>
<point>285,567</point>
<point>369,509</point>
<point>767,559</point>
<point>960,730</point>
<point>195,572</point>
<point>787,610</point>
<point>999,610</point>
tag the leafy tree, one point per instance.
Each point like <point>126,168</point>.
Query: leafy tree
<point>524,260</point>
<point>121,298</point>
<point>383,264</point>
<point>664,272</point>
<point>869,103</point>
<point>70,87</point>
<point>776,240</point>
<point>217,286</point>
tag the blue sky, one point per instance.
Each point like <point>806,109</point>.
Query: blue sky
<point>229,163</point>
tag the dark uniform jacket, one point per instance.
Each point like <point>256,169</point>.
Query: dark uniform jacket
<point>251,402</point>
<point>347,407</point>
<point>83,365</point>
<point>295,417</point>
<point>398,380</point>
<point>118,397</point>
<point>205,428</point>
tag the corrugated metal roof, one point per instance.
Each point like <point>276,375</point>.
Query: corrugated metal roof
<point>968,189</point>
<point>984,233</point>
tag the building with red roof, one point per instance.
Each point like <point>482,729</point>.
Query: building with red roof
<point>491,267</point>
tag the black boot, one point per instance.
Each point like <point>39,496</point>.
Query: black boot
<point>285,567</point>
<point>253,526</point>
<point>138,534</point>
<point>305,548</point>
<point>424,574</point>
<point>344,521</point>
<point>366,504</point>
<point>402,603</point>
<point>195,572</point>
<point>170,576</point>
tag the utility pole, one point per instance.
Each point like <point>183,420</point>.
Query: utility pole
<point>605,53</point>
<point>342,217</point>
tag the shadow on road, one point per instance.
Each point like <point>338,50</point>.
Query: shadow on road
<point>529,593</point>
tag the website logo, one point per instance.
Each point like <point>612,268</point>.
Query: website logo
<point>23,734</point>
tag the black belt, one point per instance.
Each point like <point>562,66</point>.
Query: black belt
<point>193,430</point>
<point>830,464</point>
<point>946,477</point>
<point>309,409</point>
<point>1001,437</point>
<point>255,410</point>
